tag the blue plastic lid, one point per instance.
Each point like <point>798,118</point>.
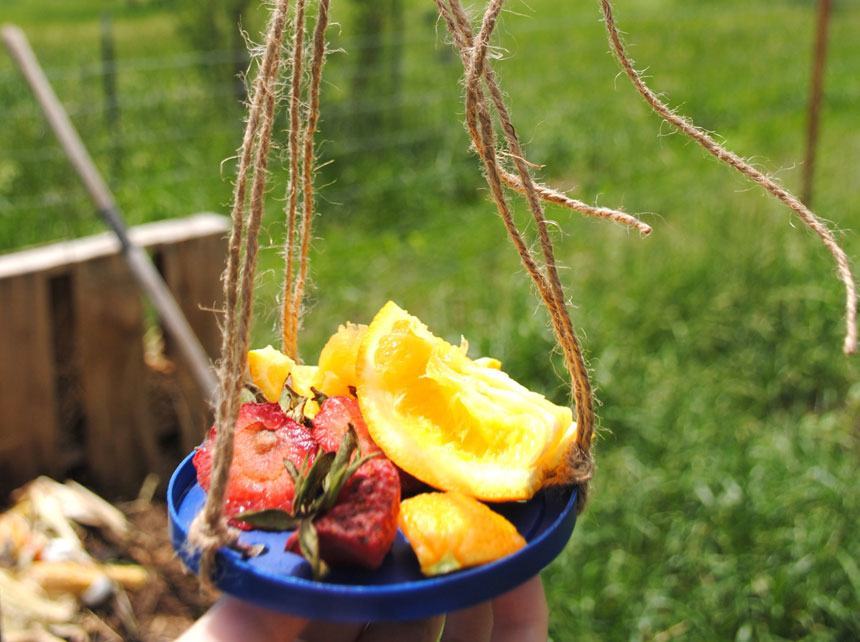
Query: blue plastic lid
<point>281,581</point>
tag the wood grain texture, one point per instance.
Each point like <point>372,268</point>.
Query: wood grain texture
<point>120,441</point>
<point>76,392</point>
<point>28,421</point>
<point>192,270</point>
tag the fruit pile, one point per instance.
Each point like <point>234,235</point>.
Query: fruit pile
<point>390,411</point>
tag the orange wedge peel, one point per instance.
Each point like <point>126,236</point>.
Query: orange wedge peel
<point>450,531</point>
<point>455,423</point>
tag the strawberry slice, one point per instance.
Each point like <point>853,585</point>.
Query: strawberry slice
<point>264,438</point>
<point>333,420</point>
<point>360,528</point>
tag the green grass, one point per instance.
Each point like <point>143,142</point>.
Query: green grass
<point>726,503</point>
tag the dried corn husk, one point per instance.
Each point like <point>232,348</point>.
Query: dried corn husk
<point>75,503</point>
<point>75,577</point>
<point>25,601</point>
<point>45,570</point>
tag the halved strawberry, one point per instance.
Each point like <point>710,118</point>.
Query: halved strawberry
<point>264,438</point>
<point>333,420</point>
<point>360,528</point>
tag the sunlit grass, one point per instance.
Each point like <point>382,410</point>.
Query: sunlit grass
<point>726,502</point>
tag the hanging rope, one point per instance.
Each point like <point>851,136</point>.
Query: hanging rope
<point>686,126</point>
<point>209,530</point>
<point>461,31</point>
<point>543,271</point>
<point>298,240</point>
<point>319,51</point>
<point>290,340</point>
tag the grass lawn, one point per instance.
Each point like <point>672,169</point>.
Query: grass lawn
<point>726,502</point>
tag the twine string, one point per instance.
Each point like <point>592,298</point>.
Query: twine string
<point>290,340</point>
<point>458,25</point>
<point>686,126</point>
<point>479,124</point>
<point>209,530</point>
<point>581,387</point>
<point>317,64</point>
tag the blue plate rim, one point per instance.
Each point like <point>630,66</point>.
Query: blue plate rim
<point>535,555</point>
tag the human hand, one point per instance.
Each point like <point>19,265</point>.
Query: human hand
<point>517,616</point>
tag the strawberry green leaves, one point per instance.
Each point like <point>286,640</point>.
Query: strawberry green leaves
<point>291,402</point>
<point>309,544</point>
<point>317,486</point>
<point>271,519</point>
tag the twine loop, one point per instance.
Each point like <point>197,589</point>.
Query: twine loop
<point>541,268</point>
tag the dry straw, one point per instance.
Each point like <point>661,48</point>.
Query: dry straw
<point>495,141</point>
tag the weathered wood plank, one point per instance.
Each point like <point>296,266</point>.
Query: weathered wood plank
<point>67,392</point>
<point>74,386</point>
<point>59,257</point>
<point>28,421</point>
<point>120,442</point>
<point>192,269</point>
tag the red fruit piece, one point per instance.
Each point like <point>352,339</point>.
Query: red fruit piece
<point>330,425</point>
<point>332,421</point>
<point>360,529</point>
<point>264,438</point>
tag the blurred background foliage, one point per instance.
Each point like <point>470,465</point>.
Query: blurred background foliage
<point>726,500</point>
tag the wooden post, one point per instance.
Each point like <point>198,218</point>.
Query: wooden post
<point>111,110</point>
<point>816,90</point>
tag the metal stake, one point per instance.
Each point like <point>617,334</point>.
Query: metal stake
<point>138,260</point>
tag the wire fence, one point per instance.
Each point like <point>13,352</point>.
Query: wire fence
<point>175,121</point>
<point>530,26</point>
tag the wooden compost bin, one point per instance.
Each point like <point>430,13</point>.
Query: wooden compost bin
<point>87,386</point>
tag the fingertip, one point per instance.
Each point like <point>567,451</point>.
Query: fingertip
<point>474,624</point>
<point>521,615</point>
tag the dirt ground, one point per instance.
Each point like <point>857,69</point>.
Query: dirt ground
<point>167,605</point>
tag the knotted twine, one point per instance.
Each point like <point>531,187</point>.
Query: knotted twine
<point>479,123</point>
<point>541,269</point>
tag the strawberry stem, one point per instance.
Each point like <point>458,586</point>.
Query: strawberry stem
<point>319,396</point>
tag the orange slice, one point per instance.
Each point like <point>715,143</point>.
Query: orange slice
<point>455,423</point>
<point>337,360</point>
<point>450,531</point>
<point>269,369</point>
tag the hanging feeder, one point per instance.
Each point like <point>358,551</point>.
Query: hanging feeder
<point>397,589</point>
